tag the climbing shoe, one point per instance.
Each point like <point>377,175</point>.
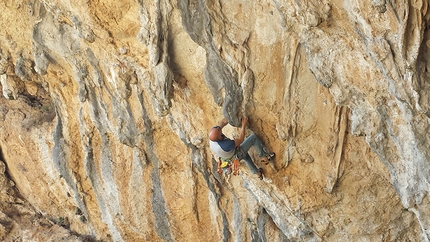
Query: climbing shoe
<point>268,157</point>
<point>260,173</point>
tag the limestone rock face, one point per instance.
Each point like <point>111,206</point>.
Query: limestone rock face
<point>106,107</point>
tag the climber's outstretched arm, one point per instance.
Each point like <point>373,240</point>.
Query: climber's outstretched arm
<point>223,123</point>
<point>239,140</point>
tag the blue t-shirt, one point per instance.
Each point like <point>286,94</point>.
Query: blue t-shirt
<point>223,148</point>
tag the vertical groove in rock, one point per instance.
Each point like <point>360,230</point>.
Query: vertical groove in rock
<point>101,172</point>
<point>158,203</point>
<point>237,219</point>
<point>218,75</point>
<point>262,219</point>
<point>157,37</point>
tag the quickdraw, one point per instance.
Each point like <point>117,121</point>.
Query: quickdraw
<point>230,165</point>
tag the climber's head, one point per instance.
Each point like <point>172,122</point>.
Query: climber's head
<point>215,134</point>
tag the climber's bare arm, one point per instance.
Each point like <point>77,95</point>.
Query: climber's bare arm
<point>239,140</point>
<point>223,123</point>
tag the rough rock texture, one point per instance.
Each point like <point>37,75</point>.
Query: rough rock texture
<point>107,104</point>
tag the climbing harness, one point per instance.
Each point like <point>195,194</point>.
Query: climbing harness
<point>230,165</point>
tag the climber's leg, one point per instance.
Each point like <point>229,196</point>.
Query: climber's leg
<point>253,140</point>
<point>243,155</point>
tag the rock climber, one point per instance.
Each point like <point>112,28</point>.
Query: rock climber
<point>230,150</point>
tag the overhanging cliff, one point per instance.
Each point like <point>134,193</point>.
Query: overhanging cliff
<point>106,108</point>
